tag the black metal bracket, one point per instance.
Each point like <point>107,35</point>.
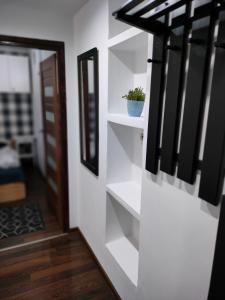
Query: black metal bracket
<point>173,48</point>
<point>153,61</point>
<point>198,162</point>
<point>199,42</point>
<point>220,45</point>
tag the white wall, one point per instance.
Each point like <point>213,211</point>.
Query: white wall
<point>19,19</point>
<point>90,32</point>
<point>178,230</point>
<point>178,233</point>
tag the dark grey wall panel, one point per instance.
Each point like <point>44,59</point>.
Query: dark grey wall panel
<point>156,99</point>
<point>197,80</point>
<point>172,100</point>
<point>214,153</point>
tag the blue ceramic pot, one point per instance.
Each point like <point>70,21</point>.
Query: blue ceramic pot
<point>135,108</point>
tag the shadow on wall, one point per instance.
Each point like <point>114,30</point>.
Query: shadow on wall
<point>192,190</point>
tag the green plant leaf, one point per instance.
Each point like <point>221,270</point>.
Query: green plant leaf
<point>135,95</point>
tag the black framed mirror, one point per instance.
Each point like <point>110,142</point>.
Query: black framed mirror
<point>88,108</point>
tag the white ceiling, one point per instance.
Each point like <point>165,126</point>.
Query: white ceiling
<point>65,7</point>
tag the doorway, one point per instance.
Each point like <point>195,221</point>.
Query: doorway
<point>48,181</point>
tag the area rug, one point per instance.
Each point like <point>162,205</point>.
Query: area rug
<point>20,219</point>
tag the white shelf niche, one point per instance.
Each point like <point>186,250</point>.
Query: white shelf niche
<point>122,238</point>
<point>127,69</point>
<point>125,152</point>
<point>128,194</point>
<point>126,120</point>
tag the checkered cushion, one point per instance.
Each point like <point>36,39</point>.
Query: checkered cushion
<point>15,115</point>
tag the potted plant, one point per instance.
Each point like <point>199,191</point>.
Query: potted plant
<point>135,102</point>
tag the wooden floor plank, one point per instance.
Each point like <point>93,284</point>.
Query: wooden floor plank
<point>58,269</point>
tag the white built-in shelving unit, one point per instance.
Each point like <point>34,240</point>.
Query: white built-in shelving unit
<point>127,67</point>
<point>128,51</point>
<point>122,237</point>
<point>125,253</point>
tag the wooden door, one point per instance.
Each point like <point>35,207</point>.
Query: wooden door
<point>52,135</point>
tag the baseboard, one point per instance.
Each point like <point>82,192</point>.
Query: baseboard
<point>74,229</point>
<point>98,263</point>
<point>53,237</point>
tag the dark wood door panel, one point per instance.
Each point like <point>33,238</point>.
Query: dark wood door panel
<point>52,134</point>
<point>48,81</point>
<point>52,173</point>
<point>51,128</point>
<point>49,73</point>
<point>49,102</point>
<point>51,150</point>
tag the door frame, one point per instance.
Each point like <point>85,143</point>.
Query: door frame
<point>59,48</point>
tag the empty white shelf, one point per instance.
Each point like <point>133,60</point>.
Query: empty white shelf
<point>128,194</point>
<point>127,256</point>
<point>122,119</point>
<point>124,36</point>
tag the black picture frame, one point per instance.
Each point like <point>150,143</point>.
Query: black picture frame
<point>89,114</point>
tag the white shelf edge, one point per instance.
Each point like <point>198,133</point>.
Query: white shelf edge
<point>136,122</point>
<point>124,36</point>
<point>128,194</point>
<point>127,257</point>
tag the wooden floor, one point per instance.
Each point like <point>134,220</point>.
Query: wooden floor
<point>62,268</point>
<point>36,190</point>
